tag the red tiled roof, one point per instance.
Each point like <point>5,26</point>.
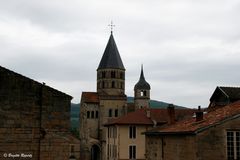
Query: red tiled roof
<point>160,115</point>
<point>209,119</point>
<point>139,117</point>
<point>90,97</point>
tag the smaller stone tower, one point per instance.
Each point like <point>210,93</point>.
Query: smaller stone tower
<point>142,92</point>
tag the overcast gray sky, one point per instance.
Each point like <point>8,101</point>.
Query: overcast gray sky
<point>188,47</point>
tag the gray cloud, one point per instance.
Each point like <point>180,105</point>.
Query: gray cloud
<point>187,47</point>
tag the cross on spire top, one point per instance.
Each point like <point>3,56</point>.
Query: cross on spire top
<point>111,25</point>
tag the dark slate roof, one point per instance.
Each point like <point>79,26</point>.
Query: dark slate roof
<point>142,83</point>
<point>111,57</point>
<point>233,93</point>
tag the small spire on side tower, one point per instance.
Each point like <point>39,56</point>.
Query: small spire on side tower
<point>142,92</point>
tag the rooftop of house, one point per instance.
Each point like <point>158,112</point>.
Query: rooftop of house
<point>150,116</point>
<point>233,93</point>
<point>90,97</point>
<point>191,126</point>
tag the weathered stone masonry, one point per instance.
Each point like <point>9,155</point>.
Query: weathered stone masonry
<point>34,119</point>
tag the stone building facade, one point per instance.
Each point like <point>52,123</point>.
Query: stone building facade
<point>105,118</point>
<point>125,138</point>
<point>34,120</point>
<point>214,135</point>
<point>106,104</point>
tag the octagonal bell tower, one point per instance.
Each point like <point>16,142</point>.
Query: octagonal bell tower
<point>111,72</point>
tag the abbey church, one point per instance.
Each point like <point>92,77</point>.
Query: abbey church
<point>107,104</point>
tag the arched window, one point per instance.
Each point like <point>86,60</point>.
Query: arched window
<point>144,93</point>
<point>99,84</point>
<point>121,75</point>
<point>88,114</point>
<point>92,114</point>
<point>113,74</point>
<point>113,84</point>
<point>116,112</point>
<point>103,85</point>
<point>110,113</point>
<point>103,74</point>
<point>96,114</point>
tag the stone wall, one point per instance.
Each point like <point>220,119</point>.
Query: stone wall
<point>170,147</point>
<point>208,144</point>
<point>212,143</point>
<point>29,113</point>
<point>89,128</point>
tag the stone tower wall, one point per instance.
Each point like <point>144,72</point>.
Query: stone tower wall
<point>141,99</point>
<point>111,81</point>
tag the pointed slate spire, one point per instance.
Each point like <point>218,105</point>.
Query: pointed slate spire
<point>111,58</point>
<point>142,83</point>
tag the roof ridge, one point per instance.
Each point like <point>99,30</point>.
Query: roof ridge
<point>229,87</point>
<point>18,74</point>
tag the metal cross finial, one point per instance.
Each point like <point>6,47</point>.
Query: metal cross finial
<point>111,26</point>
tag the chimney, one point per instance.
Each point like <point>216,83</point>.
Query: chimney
<point>171,114</point>
<point>199,114</point>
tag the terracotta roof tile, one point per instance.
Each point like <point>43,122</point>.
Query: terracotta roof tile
<point>139,117</point>
<point>209,119</point>
<point>90,97</point>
